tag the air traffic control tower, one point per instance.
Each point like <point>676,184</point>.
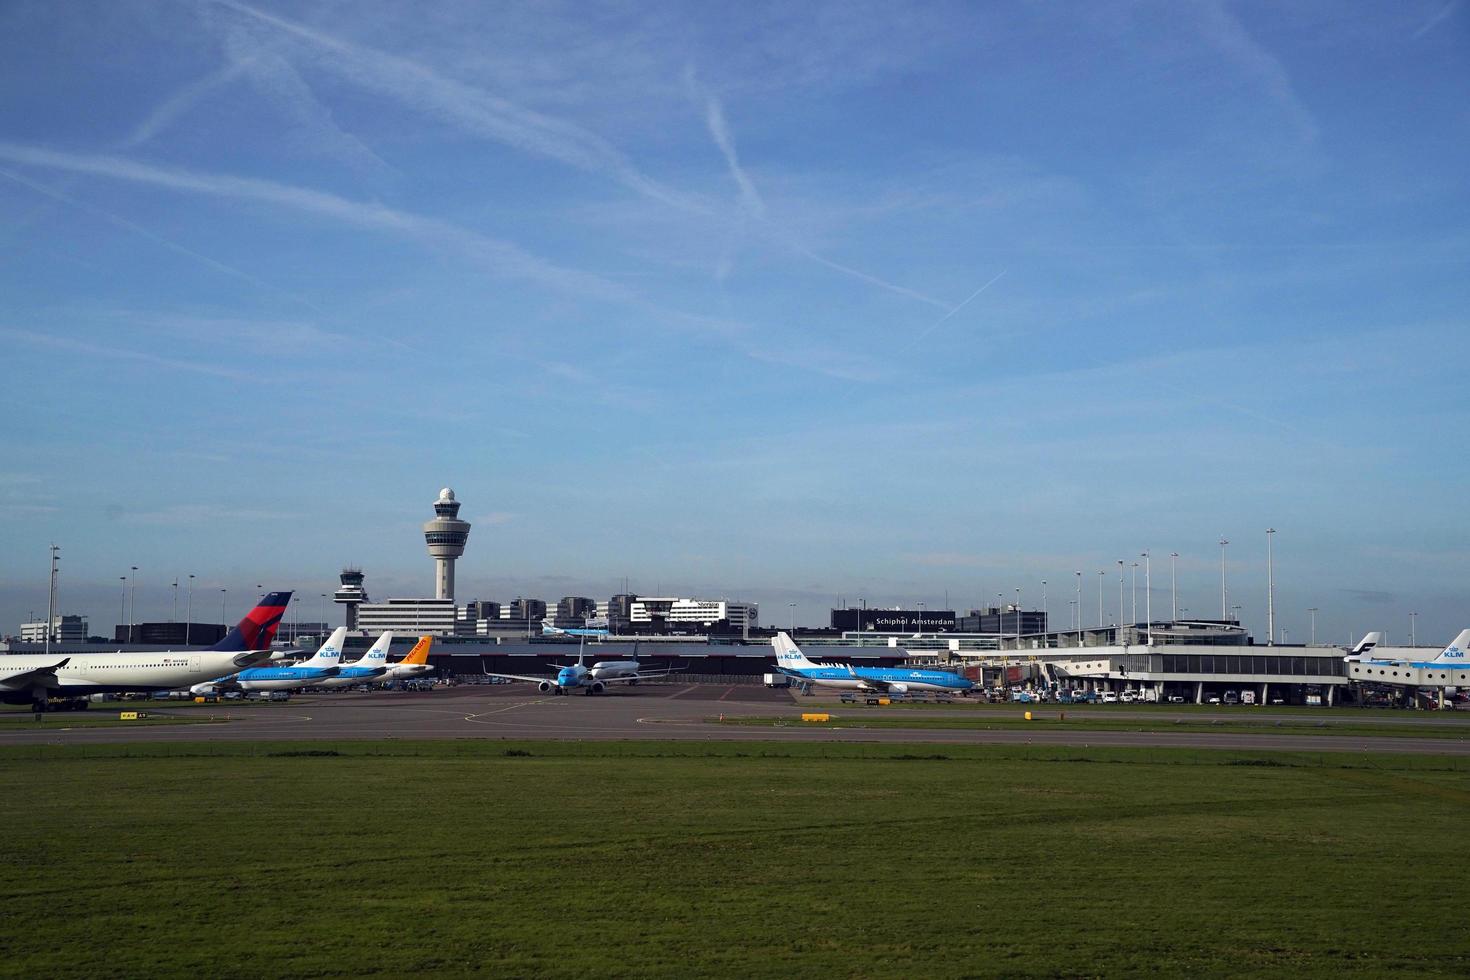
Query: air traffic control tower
<point>445,535</point>
<point>351,595</point>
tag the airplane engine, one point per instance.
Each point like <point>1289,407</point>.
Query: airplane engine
<point>546,687</point>
<point>898,689</point>
<point>596,687</point>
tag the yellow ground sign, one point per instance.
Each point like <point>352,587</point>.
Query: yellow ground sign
<point>131,715</point>
<point>816,716</point>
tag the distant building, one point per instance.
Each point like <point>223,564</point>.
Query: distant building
<point>854,620</point>
<point>620,613</point>
<point>64,629</point>
<point>1007,620</point>
<point>436,616</point>
<point>479,609</point>
<point>524,611</point>
<point>674,612</point>
<point>169,635</point>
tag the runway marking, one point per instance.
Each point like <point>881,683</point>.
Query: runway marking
<point>680,694</point>
<point>475,718</point>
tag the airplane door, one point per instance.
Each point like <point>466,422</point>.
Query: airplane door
<point>195,665</point>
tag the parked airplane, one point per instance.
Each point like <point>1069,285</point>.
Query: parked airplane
<point>1454,658</point>
<point>883,680</point>
<point>323,664</point>
<point>36,678</point>
<point>1363,647</point>
<point>595,627</point>
<point>580,676</point>
<point>416,664</point>
<point>372,666</point>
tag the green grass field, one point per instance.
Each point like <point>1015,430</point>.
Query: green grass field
<point>1054,720</point>
<point>675,860</point>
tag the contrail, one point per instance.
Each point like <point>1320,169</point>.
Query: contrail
<point>940,322</point>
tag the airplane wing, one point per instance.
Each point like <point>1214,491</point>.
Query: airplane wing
<point>868,684</point>
<point>18,681</point>
<point>520,677</point>
<point>625,678</point>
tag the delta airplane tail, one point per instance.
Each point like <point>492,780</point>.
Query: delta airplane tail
<point>1455,653</point>
<point>420,652</point>
<point>329,654</point>
<point>258,629</point>
<point>788,654</point>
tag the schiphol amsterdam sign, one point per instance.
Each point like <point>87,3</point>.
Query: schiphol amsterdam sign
<point>900,619</point>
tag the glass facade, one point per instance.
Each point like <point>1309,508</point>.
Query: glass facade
<point>1223,663</point>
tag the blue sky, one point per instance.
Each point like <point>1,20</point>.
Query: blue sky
<point>789,302</point>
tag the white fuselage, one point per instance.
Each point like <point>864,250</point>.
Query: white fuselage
<point>91,673</point>
<point>611,670</point>
<point>403,672</point>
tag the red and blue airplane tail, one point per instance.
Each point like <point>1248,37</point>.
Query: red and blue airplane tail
<point>258,629</point>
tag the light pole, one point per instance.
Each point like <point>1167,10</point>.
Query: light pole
<point>1313,611</point>
<point>51,599</point>
<point>132,599</point>
<point>321,611</point>
<point>1224,596</point>
<point>1018,619</point>
<point>1148,600</point>
<point>122,602</point>
<point>1120,594</point>
<point>176,600</point>
<point>1100,576</point>
<point>1412,616</point>
<point>1079,607</point>
<point>1134,601</point>
<point>793,617</point>
<point>921,619</point>
<point>223,621</point>
<point>1173,586</point>
<point>1000,621</point>
<point>1044,617</point>
<point>189,611</point>
<point>1270,589</point>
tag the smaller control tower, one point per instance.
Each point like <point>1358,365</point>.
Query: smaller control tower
<point>445,535</point>
<point>351,595</point>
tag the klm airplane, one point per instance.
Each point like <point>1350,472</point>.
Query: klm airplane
<point>588,680</point>
<point>372,666</point>
<point>1451,668</point>
<point>324,664</point>
<point>879,680</point>
<point>595,627</point>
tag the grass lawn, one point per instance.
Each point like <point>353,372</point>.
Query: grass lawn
<point>675,860</point>
<point>1050,720</point>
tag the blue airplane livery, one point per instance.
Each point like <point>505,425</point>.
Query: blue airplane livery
<point>372,666</point>
<point>326,663</point>
<point>881,680</point>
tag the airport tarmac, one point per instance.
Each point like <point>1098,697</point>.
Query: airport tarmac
<point>680,712</point>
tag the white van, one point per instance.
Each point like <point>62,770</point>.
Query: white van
<point>1109,698</point>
